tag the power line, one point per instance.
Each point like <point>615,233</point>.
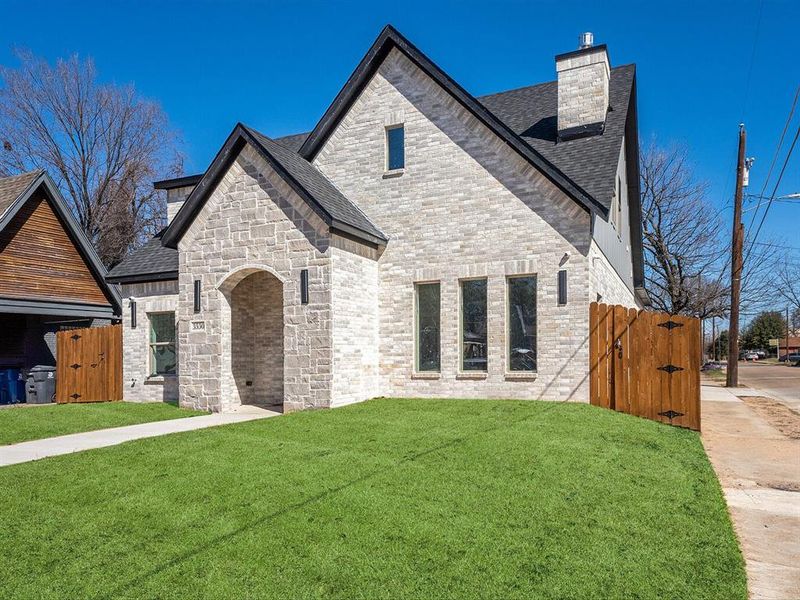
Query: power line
<point>775,189</point>
<point>775,157</point>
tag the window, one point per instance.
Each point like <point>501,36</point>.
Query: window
<point>474,342</point>
<point>428,321</point>
<point>617,208</point>
<point>395,148</point>
<point>162,343</point>
<point>522,323</point>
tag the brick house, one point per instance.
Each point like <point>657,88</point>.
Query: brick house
<point>418,242</point>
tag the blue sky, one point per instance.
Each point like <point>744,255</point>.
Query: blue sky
<point>702,66</point>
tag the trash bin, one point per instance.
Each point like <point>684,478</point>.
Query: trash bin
<point>41,388</point>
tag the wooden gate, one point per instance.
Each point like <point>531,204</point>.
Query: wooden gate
<point>645,363</point>
<point>89,364</point>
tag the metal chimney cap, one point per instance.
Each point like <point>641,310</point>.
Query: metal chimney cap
<point>585,40</point>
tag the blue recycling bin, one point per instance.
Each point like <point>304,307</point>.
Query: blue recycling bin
<point>12,386</point>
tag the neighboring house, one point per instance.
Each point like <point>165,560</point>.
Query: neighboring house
<point>418,242</point>
<point>50,276</point>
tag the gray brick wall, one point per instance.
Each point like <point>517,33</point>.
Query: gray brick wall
<point>465,206</point>
<point>137,384</point>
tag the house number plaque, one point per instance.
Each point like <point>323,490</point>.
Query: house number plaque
<point>198,325</point>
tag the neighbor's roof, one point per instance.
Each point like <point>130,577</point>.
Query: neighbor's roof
<point>151,262</point>
<point>13,187</point>
<point>15,191</point>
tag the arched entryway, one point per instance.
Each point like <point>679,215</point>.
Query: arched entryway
<point>254,364</point>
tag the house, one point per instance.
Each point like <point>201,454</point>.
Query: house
<point>50,276</point>
<point>418,242</point>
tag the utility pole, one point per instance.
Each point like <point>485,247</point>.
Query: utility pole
<point>732,379</point>
<point>714,338</point>
<point>787,338</point>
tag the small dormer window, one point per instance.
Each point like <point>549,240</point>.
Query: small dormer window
<point>395,148</point>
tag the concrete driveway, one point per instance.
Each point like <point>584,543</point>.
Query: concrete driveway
<point>758,466</point>
<point>777,381</point>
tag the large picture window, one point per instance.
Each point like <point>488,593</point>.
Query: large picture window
<point>522,323</point>
<point>474,340</point>
<point>428,314</point>
<point>162,343</point>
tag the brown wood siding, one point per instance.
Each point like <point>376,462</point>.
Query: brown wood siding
<point>39,261</point>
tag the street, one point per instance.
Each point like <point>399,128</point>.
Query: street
<point>778,381</point>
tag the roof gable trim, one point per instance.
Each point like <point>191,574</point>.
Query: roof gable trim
<point>240,136</point>
<point>390,38</point>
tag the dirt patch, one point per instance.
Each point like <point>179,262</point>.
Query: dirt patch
<point>784,486</point>
<point>780,416</point>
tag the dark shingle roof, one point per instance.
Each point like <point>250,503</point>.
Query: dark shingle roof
<point>293,142</point>
<point>150,262</point>
<point>327,195</point>
<point>591,162</point>
<point>12,188</point>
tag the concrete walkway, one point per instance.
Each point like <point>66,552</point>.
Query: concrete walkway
<point>759,469</point>
<point>77,442</point>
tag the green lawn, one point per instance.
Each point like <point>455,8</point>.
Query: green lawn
<point>23,423</point>
<point>387,499</point>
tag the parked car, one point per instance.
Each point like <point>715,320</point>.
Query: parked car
<point>793,358</point>
<point>761,353</point>
<point>750,356</point>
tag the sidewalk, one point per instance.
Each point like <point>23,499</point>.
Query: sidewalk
<point>77,442</point>
<point>759,469</point>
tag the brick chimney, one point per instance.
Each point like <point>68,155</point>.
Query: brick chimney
<point>583,77</point>
<point>178,191</point>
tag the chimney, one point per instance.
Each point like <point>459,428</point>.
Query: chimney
<point>178,191</point>
<point>583,77</point>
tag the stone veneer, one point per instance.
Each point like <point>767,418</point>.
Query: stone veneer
<point>137,384</point>
<point>583,84</point>
<point>254,222</point>
<point>464,206</point>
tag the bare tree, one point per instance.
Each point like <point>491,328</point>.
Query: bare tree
<point>682,235</point>
<point>687,244</point>
<point>788,284</point>
<point>103,144</point>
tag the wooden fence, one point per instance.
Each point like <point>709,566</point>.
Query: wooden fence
<point>645,363</point>
<point>89,364</point>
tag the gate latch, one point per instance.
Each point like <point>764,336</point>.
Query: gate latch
<point>618,346</point>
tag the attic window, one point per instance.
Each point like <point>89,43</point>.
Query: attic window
<point>395,148</point>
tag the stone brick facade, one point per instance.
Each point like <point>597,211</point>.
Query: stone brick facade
<point>464,206</point>
<point>137,384</point>
<point>253,222</point>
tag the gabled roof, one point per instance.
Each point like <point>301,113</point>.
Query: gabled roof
<point>389,39</point>
<point>15,191</point>
<point>151,262</point>
<point>304,178</point>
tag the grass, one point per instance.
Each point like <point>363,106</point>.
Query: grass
<point>386,499</point>
<point>24,423</point>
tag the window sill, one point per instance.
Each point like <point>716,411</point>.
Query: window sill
<point>521,375</point>
<point>476,375</point>
<point>393,173</point>
<point>428,375</point>
<point>159,379</point>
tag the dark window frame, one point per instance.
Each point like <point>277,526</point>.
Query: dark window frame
<point>390,164</point>
<point>534,334</point>
<point>417,331</point>
<point>475,350</point>
<point>152,367</point>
